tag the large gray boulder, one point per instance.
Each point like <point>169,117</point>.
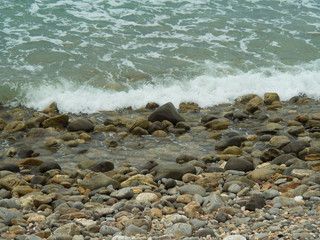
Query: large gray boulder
<point>166,112</point>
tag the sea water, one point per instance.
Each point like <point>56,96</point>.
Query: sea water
<point>93,55</point>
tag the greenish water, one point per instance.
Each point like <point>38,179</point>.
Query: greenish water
<point>98,55</point>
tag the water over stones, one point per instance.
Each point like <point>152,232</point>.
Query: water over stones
<point>172,170</point>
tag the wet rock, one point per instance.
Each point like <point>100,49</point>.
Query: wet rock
<point>269,98</point>
<point>281,159</point>
<point>29,162</point>
<point>97,181</point>
<point>233,141</point>
<point>155,126</point>
<point>239,164</point>
<point>59,121</point>
<point>46,166</point>
<point>139,131</point>
<point>221,217</point>
<point>169,183</point>
<point>218,124</point>
<point>166,112</point>
<point>253,104</point>
<point>25,152</point>
<point>15,126</point>
<point>270,154</point>
<point>204,232</point>
<point>150,197</point>
<point>36,121</point>
<point>7,215</point>
<point>215,201</point>
<point>172,170</point>
<point>80,124</point>
<point>183,158</point>
<point>256,201</point>
<point>279,141</point>
<point>12,167</point>
<point>2,124</point>
<point>69,229</point>
<point>296,147</point>
<point>140,178</point>
<point>104,166</point>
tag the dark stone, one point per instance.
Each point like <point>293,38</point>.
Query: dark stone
<point>270,154</point>
<point>166,112</point>
<point>139,131</point>
<point>208,118</point>
<point>281,159</point>
<point>148,165</point>
<point>39,180</point>
<point>12,167</point>
<point>177,131</point>
<point>256,201</point>
<point>239,164</point>
<point>184,125</point>
<point>239,115</point>
<point>46,166</point>
<point>172,170</point>
<point>183,158</point>
<point>25,152</point>
<point>169,183</point>
<point>157,125</point>
<point>296,147</point>
<point>80,124</point>
<point>204,232</point>
<point>221,217</point>
<point>233,141</point>
<point>288,170</point>
<point>104,166</point>
<point>108,121</point>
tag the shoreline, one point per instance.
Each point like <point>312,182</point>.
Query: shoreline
<point>250,169</point>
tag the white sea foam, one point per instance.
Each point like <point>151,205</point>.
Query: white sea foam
<point>206,90</point>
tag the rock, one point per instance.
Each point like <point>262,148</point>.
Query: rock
<point>270,154</point>
<point>256,201</point>
<point>59,122</point>
<point>183,229</point>
<point>139,131</point>
<point>10,203</point>
<point>72,143</point>
<point>69,229</point>
<point>145,196</point>
<point>270,194</point>
<point>133,230</point>
<point>12,167</point>
<point>284,201</point>
<point>172,170</point>
<point>183,125</point>
<point>279,141</point>
<point>192,189</point>
<point>253,104</point>
<point>281,159</point>
<point>142,179</point>
<point>218,124</point>
<point>155,126</point>
<point>204,232</point>
<point>29,162</point>
<point>192,208</point>
<point>221,217</point>
<point>261,174</point>
<point>80,124</point>
<point>232,150</point>
<point>2,124</point>
<point>295,130</point>
<point>169,183</point>
<point>269,98</point>
<point>25,152</point>
<point>108,230</point>
<point>233,141</point>
<point>234,237</point>
<point>104,166</point>
<point>189,106</point>
<point>296,147</point>
<point>97,181</point>
<point>46,166</point>
<point>239,164</point>
<point>15,126</point>
<point>36,121</point>
<point>183,158</point>
<point>124,193</point>
<point>166,112</point>
<point>141,122</point>
<point>215,201</point>
<point>7,215</point>
<point>10,181</point>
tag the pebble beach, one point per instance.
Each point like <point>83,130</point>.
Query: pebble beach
<point>246,170</point>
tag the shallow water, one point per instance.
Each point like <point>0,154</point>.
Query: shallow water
<point>102,55</point>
